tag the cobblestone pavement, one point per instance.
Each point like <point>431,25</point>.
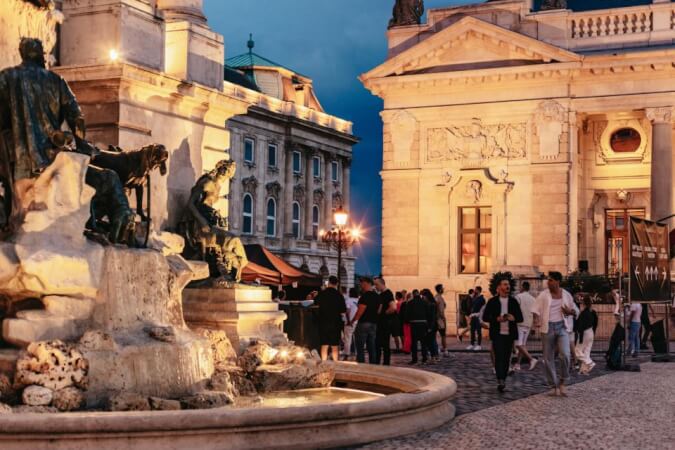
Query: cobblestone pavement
<point>623,410</point>
<point>476,383</point>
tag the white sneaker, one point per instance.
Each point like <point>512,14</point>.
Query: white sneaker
<point>516,367</point>
<point>533,363</point>
<point>477,348</point>
<point>494,371</point>
<point>470,347</point>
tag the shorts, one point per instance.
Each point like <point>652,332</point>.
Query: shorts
<point>330,335</point>
<point>523,334</point>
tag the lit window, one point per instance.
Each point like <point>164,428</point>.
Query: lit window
<point>271,218</point>
<point>248,214</point>
<point>297,162</point>
<point>272,155</point>
<point>315,221</point>
<point>249,150</point>
<point>335,171</point>
<point>316,166</point>
<point>475,230</point>
<point>296,220</point>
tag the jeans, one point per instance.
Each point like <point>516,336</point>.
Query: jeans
<point>432,344</point>
<point>502,346</point>
<point>557,337</point>
<point>476,331</point>
<point>634,337</point>
<point>419,333</point>
<point>365,335</point>
<point>347,333</point>
<point>583,351</point>
<point>383,343</point>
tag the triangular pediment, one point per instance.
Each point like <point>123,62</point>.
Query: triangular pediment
<point>471,44</point>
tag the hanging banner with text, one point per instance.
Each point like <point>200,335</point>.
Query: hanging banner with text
<point>649,261</point>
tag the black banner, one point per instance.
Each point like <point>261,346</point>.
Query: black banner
<point>649,261</point>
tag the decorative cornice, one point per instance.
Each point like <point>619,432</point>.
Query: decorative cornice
<point>250,184</point>
<point>273,189</point>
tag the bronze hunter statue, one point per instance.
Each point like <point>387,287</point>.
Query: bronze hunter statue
<point>34,103</point>
<point>407,12</point>
<point>206,230</point>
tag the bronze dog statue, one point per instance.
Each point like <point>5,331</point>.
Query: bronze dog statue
<point>133,167</point>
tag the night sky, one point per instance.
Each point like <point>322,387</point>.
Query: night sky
<point>332,42</point>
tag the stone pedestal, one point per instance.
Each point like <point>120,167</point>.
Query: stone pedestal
<point>243,312</point>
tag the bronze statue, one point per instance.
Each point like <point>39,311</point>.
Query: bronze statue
<point>133,167</point>
<point>553,4</point>
<point>34,103</point>
<point>407,12</point>
<point>206,230</point>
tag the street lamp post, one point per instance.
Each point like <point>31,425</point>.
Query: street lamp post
<point>340,237</point>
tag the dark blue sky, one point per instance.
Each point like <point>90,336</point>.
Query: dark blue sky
<point>333,42</point>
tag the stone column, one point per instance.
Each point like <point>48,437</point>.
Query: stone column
<point>328,193</point>
<point>288,183</point>
<point>346,178</point>
<point>662,163</point>
<point>309,193</point>
<point>573,148</point>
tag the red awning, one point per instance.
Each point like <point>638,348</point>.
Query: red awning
<point>264,263</point>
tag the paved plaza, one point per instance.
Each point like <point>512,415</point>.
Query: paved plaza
<point>603,411</point>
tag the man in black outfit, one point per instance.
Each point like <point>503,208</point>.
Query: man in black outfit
<point>366,318</point>
<point>503,314</point>
<point>332,308</point>
<point>417,314</point>
<point>384,328</point>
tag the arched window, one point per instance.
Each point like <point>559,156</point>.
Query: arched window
<point>271,218</point>
<point>247,212</point>
<point>315,221</point>
<point>296,220</point>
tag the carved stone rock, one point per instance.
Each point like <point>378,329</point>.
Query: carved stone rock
<point>223,352</point>
<point>128,401</point>
<point>37,396</point>
<point>68,399</point>
<point>5,408</point>
<point>206,400</point>
<point>162,334</point>
<point>163,404</point>
<point>97,341</point>
<point>311,374</point>
<point>53,365</point>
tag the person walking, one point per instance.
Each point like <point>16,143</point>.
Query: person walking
<point>550,309</point>
<point>332,309</point>
<point>397,324</point>
<point>440,318</point>
<point>646,326</point>
<point>634,330</point>
<point>585,327</point>
<point>418,317</point>
<point>503,314</point>
<point>384,322</point>
<point>526,302</point>
<point>476,329</point>
<point>352,305</point>
<point>365,333</point>
<point>463,313</point>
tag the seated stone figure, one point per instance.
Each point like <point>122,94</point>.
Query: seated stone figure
<point>34,103</point>
<point>206,230</point>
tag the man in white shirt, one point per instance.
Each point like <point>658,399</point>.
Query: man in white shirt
<point>352,305</point>
<point>526,302</point>
<point>550,310</point>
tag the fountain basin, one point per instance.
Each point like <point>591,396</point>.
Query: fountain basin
<point>415,401</point>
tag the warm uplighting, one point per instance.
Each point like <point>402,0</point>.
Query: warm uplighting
<point>300,355</point>
<point>340,218</point>
<point>284,354</point>
<point>113,55</point>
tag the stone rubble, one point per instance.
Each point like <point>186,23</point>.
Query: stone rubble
<point>53,365</point>
<point>128,401</point>
<point>37,396</point>
<point>207,400</point>
<point>163,404</point>
<point>68,399</point>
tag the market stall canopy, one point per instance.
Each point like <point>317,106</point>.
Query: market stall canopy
<point>272,270</point>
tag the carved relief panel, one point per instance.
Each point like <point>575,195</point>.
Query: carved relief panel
<point>476,144</point>
<point>551,129</point>
<point>403,130</point>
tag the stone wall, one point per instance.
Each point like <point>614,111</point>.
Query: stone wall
<point>18,19</point>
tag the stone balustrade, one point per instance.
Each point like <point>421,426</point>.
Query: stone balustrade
<point>288,108</point>
<point>610,23</point>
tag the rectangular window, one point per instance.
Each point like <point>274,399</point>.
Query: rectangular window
<point>297,162</point>
<point>316,166</point>
<point>335,171</point>
<point>475,237</point>
<point>272,155</point>
<point>249,150</point>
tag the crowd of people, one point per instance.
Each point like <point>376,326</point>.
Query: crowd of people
<point>416,321</point>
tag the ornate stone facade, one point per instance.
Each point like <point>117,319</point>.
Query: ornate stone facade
<point>510,143</point>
